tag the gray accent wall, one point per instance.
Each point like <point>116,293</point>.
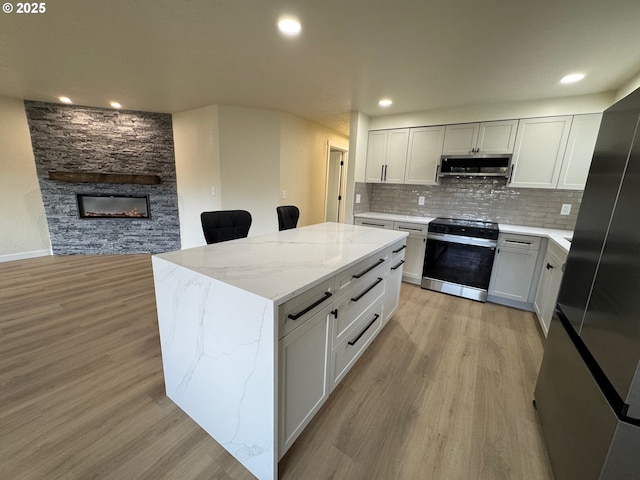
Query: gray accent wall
<point>77,139</point>
<point>479,199</point>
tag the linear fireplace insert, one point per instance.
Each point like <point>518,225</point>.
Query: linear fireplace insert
<point>113,206</point>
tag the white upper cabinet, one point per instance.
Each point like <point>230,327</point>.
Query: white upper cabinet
<point>425,148</point>
<point>579,152</point>
<point>387,155</point>
<point>487,137</point>
<point>376,155</point>
<point>539,150</point>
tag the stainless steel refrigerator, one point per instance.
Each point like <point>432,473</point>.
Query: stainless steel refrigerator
<point>588,389</point>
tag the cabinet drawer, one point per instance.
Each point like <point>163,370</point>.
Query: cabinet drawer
<point>361,273</point>
<point>345,354</point>
<point>519,242</point>
<point>349,307</point>
<point>298,310</point>
<point>374,222</point>
<point>411,228</point>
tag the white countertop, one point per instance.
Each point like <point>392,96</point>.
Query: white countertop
<point>279,265</point>
<point>558,236</point>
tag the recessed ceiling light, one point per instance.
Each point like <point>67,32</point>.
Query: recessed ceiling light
<point>64,99</point>
<point>572,78</point>
<point>385,102</point>
<point>289,26</point>
<point>115,105</point>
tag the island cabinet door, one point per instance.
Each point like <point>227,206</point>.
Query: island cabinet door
<point>303,376</point>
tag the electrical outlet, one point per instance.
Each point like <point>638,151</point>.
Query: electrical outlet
<point>358,198</point>
<point>420,200</point>
<point>284,194</point>
<point>566,209</point>
<point>213,191</point>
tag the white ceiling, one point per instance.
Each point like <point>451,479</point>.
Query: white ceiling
<point>176,55</point>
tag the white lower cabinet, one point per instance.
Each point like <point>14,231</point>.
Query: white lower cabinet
<point>549,287</point>
<point>396,268</point>
<point>514,269</point>
<point>303,377</point>
<point>323,332</point>
<point>416,244</point>
<point>346,351</point>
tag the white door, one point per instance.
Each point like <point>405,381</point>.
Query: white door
<point>376,155</point>
<point>579,152</point>
<point>460,139</point>
<point>497,137</point>
<point>334,206</point>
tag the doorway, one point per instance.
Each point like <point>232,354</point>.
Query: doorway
<point>336,181</point>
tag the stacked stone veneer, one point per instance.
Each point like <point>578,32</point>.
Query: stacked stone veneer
<point>480,199</point>
<point>94,140</point>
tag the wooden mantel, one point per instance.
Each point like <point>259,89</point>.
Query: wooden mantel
<point>84,177</point>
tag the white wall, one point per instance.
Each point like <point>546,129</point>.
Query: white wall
<point>629,87</point>
<point>250,164</point>
<point>196,143</point>
<point>358,139</point>
<point>303,166</point>
<point>23,225</point>
<point>502,111</point>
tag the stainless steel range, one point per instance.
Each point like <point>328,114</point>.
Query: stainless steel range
<point>459,257</point>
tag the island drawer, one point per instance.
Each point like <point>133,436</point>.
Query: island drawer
<point>347,351</point>
<point>361,273</point>
<point>348,308</point>
<point>301,308</point>
<point>398,251</point>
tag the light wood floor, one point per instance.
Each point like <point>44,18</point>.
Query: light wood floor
<point>444,392</point>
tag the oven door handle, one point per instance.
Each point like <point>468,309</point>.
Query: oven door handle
<point>478,242</point>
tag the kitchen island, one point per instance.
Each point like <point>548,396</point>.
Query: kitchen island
<point>256,332</point>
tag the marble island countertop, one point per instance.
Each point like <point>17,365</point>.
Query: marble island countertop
<point>561,237</point>
<point>276,266</point>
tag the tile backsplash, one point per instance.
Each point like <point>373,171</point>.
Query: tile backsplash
<point>480,199</point>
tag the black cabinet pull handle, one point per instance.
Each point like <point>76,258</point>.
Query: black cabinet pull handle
<point>371,287</point>
<point>398,265</point>
<point>295,316</point>
<point>549,266</point>
<point>355,340</point>
<point>358,275</point>
<point>400,249</point>
<point>334,313</point>
<point>373,224</point>
<point>510,174</point>
<point>382,173</point>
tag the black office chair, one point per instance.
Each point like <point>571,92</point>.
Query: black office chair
<point>288,216</point>
<point>225,225</point>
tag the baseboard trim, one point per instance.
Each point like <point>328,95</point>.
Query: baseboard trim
<point>24,255</point>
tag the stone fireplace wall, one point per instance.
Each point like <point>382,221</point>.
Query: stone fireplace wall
<point>75,139</point>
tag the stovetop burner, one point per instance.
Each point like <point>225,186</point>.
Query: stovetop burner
<point>468,228</point>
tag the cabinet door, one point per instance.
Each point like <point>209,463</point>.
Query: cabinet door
<point>540,146</point>
<point>396,159</point>
<point>548,290</point>
<point>425,149</point>
<point>512,274</point>
<point>392,294</point>
<point>497,137</point>
<point>376,155</point>
<point>460,139</point>
<point>414,259</point>
<point>580,147</point>
<point>303,376</point>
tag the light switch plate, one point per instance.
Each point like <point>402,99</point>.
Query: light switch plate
<point>566,209</point>
<point>357,198</point>
<point>420,200</point>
